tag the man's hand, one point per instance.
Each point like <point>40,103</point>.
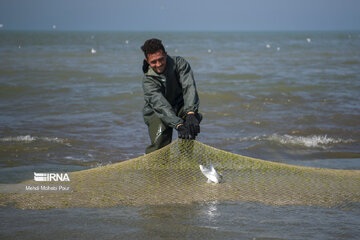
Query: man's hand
<point>183,132</point>
<point>193,124</point>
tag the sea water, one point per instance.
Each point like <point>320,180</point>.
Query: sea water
<point>73,100</point>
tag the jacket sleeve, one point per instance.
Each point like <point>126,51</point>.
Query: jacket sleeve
<point>186,78</point>
<point>162,108</point>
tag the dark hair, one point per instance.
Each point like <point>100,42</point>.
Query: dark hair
<point>152,46</point>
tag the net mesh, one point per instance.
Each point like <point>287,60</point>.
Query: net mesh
<point>172,175</point>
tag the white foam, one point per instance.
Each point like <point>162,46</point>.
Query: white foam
<point>313,141</point>
<point>29,138</point>
<point>55,139</point>
<point>26,138</point>
<point>96,165</point>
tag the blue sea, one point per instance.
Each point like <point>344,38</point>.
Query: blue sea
<point>73,100</point>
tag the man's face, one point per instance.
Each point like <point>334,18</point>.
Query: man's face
<point>157,61</point>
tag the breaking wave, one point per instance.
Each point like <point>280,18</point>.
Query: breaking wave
<point>308,141</point>
<point>314,141</point>
<point>29,138</point>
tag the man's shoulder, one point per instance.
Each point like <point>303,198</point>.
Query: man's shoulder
<point>179,61</point>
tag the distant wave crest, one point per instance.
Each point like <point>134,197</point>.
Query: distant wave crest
<point>314,141</point>
<point>29,138</point>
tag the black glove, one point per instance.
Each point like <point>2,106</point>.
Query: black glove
<point>192,123</point>
<point>183,132</point>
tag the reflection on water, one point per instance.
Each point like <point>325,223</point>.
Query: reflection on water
<point>213,220</point>
<point>211,210</point>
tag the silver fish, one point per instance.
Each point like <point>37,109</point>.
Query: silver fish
<point>211,173</point>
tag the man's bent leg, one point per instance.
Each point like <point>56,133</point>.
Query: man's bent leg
<point>160,134</point>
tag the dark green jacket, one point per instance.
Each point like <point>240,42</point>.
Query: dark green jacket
<point>166,93</point>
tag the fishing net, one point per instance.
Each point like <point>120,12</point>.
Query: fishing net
<point>172,175</point>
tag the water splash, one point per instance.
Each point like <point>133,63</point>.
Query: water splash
<point>29,138</point>
<point>313,141</point>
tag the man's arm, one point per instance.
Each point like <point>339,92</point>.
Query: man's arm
<point>157,101</point>
<point>186,78</point>
<point>191,98</point>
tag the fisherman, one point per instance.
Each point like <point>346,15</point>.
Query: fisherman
<point>171,98</point>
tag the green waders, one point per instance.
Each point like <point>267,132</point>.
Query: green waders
<point>161,134</point>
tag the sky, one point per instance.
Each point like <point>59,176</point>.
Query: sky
<point>180,15</point>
